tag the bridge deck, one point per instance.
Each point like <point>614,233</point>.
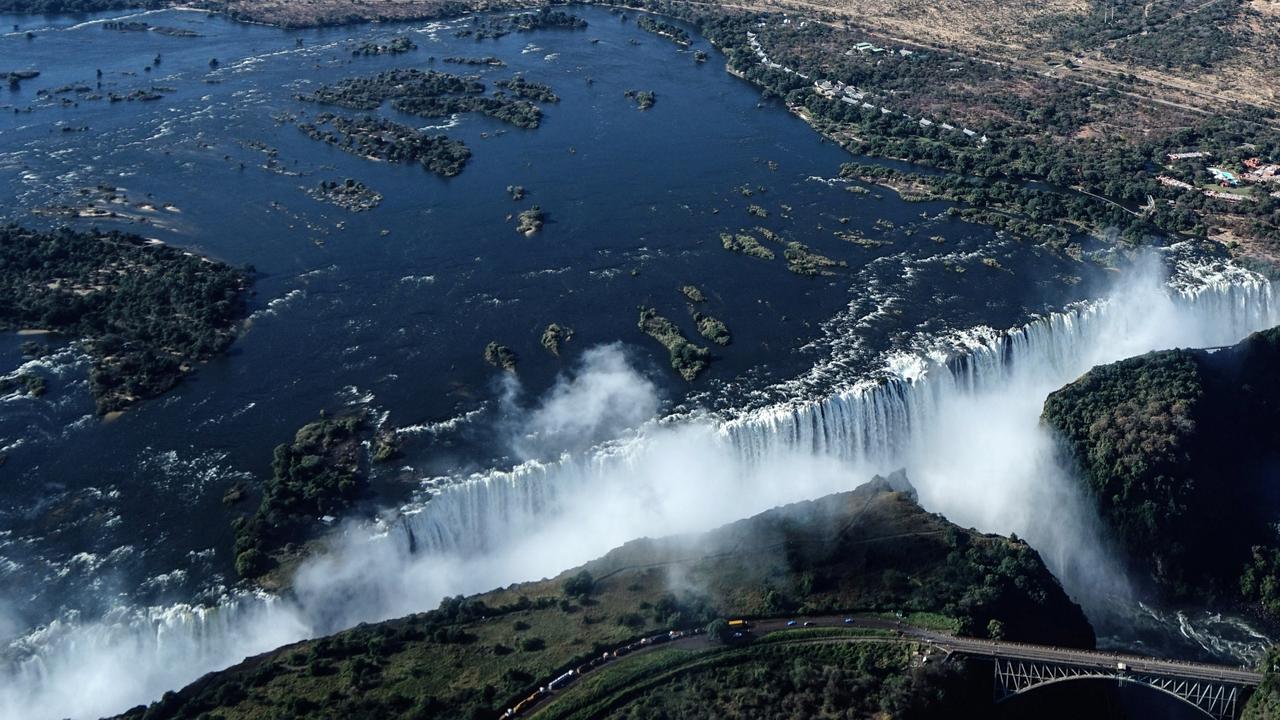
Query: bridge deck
<point>1091,659</point>
<point>1102,661</point>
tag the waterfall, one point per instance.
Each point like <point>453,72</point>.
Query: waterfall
<point>678,474</point>
<point>69,668</point>
<point>875,424</point>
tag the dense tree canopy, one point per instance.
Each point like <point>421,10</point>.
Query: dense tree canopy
<point>1180,450</point>
<point>146,311</point>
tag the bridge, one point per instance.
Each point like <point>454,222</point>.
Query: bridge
<point>1218,691</point>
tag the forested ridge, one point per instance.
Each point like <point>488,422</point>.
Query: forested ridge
<point>1181,450</point>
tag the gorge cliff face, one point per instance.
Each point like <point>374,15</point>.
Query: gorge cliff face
<point>1180,450</point>
<point>871,549</point>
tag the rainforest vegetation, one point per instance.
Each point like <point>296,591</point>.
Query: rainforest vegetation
<point>318,474</point>
<point>1178,449</point>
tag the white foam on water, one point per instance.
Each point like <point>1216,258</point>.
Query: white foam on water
<point>946,411</point>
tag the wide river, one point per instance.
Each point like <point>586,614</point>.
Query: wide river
<point>391,309</point>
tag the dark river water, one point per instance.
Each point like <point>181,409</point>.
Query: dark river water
<point>391,309</point>
<point>346,314</point>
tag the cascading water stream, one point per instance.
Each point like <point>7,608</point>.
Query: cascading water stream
<point>674,475</point>
<point>876,425</point>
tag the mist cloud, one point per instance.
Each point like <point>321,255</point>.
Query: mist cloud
<point>976,454</point>
<point>604,396</point>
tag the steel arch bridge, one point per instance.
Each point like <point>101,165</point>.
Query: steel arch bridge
<point>1222,700</point>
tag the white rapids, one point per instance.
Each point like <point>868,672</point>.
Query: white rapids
<point>960,412</point>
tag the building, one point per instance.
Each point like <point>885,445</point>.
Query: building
<point>1173,182</point>
<point>1263,173</point>
<point>1229,197</point>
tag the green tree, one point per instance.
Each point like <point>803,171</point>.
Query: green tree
<point>580,585</point>
<point>718,630</point>
<point>251,563</point>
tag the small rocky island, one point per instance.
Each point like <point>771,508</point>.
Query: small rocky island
<point>520,87</point>
<point>431,94</point>
<point>315,478</point>
<point>350,194</point>
<point>687,358</point>
<point>802,260</point>
<point>381,139</point>
<point>427,94</point>
<point>488,61</point>
<point>555,336</point>
<point>530,221</point>
<point>693,294</point>
<point>500,356</point>
<point>495,26</point>
<point>398,45</point>
<point>644,99</point>
<point>745,244</point>
<point>712,329</point>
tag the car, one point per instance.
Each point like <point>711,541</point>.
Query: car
<point>808,623</point>
<point>848,621</point>
<point>791,623</point>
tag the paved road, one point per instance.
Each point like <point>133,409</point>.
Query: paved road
<point>977,647</point>
<point>973,647</point>
<point>1102,660</point>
